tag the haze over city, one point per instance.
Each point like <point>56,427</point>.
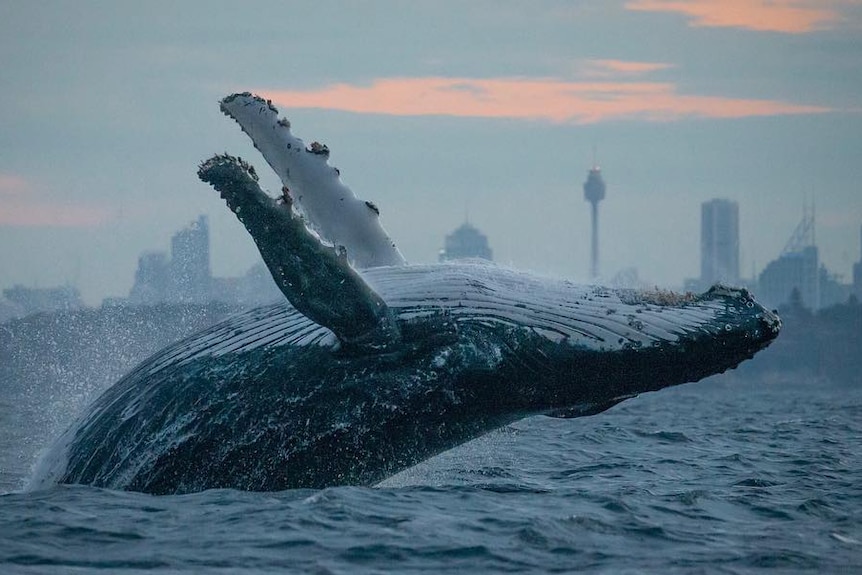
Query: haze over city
<point>435,110</point>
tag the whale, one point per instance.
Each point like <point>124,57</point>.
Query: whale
<point>371,365</point>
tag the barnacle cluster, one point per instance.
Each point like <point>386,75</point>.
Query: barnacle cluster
<point>657,296</point>
<point>318,148</point>
<point>221,163</point>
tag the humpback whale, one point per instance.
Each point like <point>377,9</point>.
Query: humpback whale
<point>371,365</point>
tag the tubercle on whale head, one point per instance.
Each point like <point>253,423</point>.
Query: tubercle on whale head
<point>737,299</point>
<point>744,302</point>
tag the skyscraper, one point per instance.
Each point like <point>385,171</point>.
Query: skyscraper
<point>797,269</point>
<point>151,279</point>
<point>190,275</point>
<point>857,271</point>
<point>719,242</point>
<point>792,271</point>
<point>594,192</point>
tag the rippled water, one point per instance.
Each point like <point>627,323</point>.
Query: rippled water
<point>718,477</point>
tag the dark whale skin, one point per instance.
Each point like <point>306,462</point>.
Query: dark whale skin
<point>268,400</point>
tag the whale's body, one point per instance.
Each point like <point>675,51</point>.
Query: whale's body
<point>267,401</point>
<point>365,372</point>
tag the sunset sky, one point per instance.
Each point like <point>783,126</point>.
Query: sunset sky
<point>434,110</point>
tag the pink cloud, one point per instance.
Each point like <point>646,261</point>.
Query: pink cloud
<point>620,68</point>
<point>548,100</point>
<point>788,16</point>
<point>21,206</point>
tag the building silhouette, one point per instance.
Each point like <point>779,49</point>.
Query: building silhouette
<point>255,287</point>
<point>466,242</point>
<point>20,301</point>
<point>190,276</point>
<point>792,271</point>
<point>151,279</point>
<point>797,273</point>
<point>185,277</point>
<point>857,271</point>
<point>594,192</point>
<point>719,242</point>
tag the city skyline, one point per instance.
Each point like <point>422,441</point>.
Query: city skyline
<point>183,275</point>
<point>428,108</point>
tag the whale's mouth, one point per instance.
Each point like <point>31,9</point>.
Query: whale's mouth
<point>771,321</point>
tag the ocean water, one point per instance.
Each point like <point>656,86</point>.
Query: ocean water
<point>722,476</point>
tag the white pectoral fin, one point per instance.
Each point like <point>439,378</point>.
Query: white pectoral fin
<point>332,209</point>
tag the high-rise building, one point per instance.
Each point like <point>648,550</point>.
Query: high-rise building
<point>151,279</point>
<point>190,276</point>
<point>857,271</point>
<point>792,271</point>
<point>719,242</point>
<point>466,242</point>
<point>594,192</point>
<point>184,278</point>
<point>797,269</point>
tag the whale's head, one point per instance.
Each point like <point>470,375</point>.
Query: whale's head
<point>610,345</point>
<point>559,348</point>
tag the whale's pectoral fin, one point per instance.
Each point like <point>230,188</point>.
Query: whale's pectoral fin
<point>331,208</point>
<point>316,278</point>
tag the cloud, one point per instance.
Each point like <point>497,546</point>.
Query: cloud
<point>619,68</point>
<point>550,100</point>
<point>788,16</point>
<point>20,207</point>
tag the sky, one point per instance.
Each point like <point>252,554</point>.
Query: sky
<point>437,111</point>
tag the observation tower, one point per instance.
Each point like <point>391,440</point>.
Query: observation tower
<point>594,192</point>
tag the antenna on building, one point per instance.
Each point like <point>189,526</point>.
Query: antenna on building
<point>803,235</point>
<point>813,224</point>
